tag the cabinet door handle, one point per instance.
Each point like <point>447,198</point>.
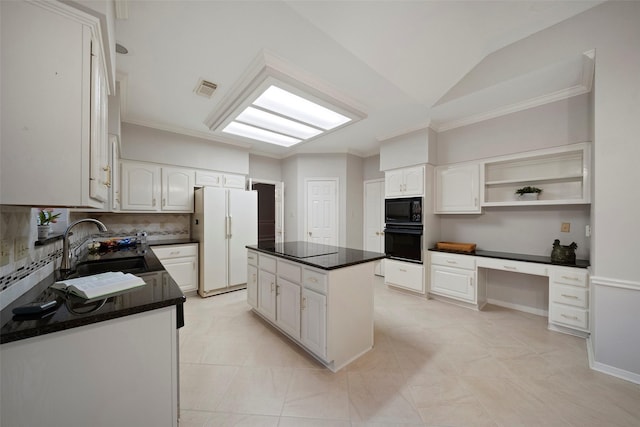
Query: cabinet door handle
<point>475,201</point>
<point>569,296</point>
<point>153,202</point>
<point>451,262</point>
<point>469,281</point>
<point>107,169</point>
<point>569,317</point>
<point>277,290</point>
<point>271,286</point>
<point>164,202</point>
<point>304,303</point>
<point>570,277</point>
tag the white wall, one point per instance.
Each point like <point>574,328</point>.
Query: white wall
<point>153,145</point>
<point>414,148</point>
<point>559,123</point>
<point>354,202</point>
<point>371,168</point>
<point>264,168</point>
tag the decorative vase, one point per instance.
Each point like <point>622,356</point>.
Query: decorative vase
<point>43,231</point>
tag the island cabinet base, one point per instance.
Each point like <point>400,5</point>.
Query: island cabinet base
<point>329,313</point>
<point>120,372</point>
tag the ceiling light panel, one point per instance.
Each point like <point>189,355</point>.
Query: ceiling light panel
<point>301,109</point>
<point>266,120</point>
<point>246,131</point>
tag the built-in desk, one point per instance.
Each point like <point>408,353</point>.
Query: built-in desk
<point>462,278</point>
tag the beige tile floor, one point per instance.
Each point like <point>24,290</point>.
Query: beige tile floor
<point>434,364</point>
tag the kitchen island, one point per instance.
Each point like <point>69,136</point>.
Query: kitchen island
<point>319,296</point>
<point>111,361</point>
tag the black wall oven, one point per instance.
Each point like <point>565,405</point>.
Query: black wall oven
<point>403,242</point>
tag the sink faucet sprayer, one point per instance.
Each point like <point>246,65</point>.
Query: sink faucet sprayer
<point>65,264</point>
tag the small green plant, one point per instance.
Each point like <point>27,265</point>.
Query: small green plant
<point>528,189</point>
<point>46,216</point>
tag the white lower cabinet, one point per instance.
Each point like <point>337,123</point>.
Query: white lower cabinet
<point>131,359</point>
<point>181,262</point>
<point>288,307</point>
<point>405,275</point>
<point>569,297</point>
<point>328,313</point>
<point>313,333</point>
<point>267,294</point>
<point>252,285</point>
<point>453,276</point>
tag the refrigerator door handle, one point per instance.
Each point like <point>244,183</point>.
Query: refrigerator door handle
<point>230,227</point>
<point>226,227</point>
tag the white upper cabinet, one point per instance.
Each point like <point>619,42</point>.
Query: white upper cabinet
<point>218,179</point>
<point>457,189</point>
<point>404,182</point>
<point>53,107</point>
<point>149,187</point>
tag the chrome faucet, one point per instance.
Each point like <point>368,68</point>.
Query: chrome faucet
<point>65,264</point>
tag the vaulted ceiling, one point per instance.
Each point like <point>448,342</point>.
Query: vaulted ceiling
<point>393,60</point>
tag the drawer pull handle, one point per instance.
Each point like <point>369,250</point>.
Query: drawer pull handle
<point>508,267</point>
<point>174,253</point>
<point>569,296</point>
<point>312,280</point>
<point>570,278</point>
<point>451,262</point>
<point>403,270</point>
<point>570,317</point>
<point>304,303</point>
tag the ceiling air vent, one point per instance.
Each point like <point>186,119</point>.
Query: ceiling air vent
<point>205,88</point>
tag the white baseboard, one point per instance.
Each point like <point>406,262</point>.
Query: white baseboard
<point>607,369</point>
<point>519,307</point>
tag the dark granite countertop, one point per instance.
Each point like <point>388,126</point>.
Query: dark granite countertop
<point>71,312</point>
<point>580,263</point>
<point>172,242</point>
<point>315,255</point>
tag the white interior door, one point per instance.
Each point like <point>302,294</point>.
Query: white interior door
<point>374,219</point>
<point>322,211</point>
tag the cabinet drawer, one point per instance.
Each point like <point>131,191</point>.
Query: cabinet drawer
<point>449,260</point>
<point>252,258</point>
<point>571,295</point>
<point>515,266</point>
<point>175,251</point>
<point>570,316</point>
<point>314,280</point>
<point>289,271</point>
<point>267,263</point>
<point>405,275</point>
<point>570,276</point>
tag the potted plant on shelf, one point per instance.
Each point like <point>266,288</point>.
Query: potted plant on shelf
<point>46,217</point>
<point>528,193</point>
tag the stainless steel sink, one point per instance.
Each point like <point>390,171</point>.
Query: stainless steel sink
<point>126,265</point>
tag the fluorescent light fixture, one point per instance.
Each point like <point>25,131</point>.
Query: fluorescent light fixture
<point>278,103</point>
<point>266,120</point>
<point>280,117</point>
<point>252,132</point>
<point>296,107</point>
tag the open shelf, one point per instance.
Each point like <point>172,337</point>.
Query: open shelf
<point>561,173</point>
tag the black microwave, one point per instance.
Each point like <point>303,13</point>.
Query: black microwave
<point>407,210</point>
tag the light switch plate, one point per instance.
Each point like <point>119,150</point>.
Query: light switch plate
<point>5,248</point>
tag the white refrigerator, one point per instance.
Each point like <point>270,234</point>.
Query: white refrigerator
<point>224,222</point>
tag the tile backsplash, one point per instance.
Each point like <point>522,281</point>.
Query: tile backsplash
<point>21,260</point>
